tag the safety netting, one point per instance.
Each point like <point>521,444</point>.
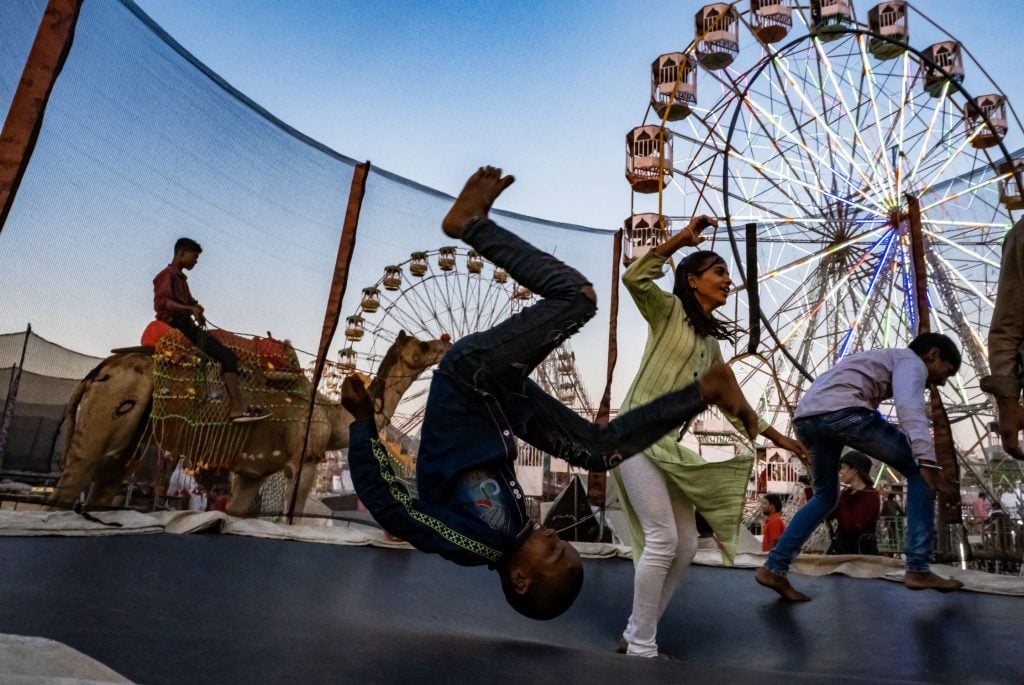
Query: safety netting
<point>19,20</point>
<point>142,144</point>
<point>36,379</point>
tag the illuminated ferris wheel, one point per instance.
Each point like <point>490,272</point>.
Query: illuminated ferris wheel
<point>835,153</point>
<point>446,291</point>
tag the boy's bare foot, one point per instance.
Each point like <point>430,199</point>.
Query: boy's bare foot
<point>475,200</point>
<point>719,387</point>
<point>916,580</point>
<point>779,584</point>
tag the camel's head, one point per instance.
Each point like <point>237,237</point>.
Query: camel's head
<point>406,359</point>
<point>419,355</point>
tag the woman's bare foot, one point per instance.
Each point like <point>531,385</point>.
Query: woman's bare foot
<point>917,580</point>
<point>719,387</point>
<point>475,200</point>
<point>779,584</point>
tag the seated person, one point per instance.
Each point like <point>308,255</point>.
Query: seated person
<point>857,512</point>
<point>176,307</point>
<point>470,506</point>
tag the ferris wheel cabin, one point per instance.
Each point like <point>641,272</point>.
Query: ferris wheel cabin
<point>446,258</point>
<point>648,158</point>
<point>889,19</point>
<point>418,265</point>
<point>717,35</point>
<point>565,361</point>
<point>371,300</point>
<point>642,233</point>
<point>986,134</point>
<point>474,262</point>
<point>1009,188</point>
<point>771,20</point>
<point>566,394</point>
<point>673,86</point>
<point>948,61</point>
<point>830,18</point>
<point>392,277</point>
<point>355,327</point>
<point>347,360</point>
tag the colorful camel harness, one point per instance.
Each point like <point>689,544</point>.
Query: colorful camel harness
<point>189,417</point>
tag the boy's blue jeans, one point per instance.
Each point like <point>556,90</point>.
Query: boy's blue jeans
<point>825,436</point>
<point>481,397</point>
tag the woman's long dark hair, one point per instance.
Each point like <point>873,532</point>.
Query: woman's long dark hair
<point>697,263</point>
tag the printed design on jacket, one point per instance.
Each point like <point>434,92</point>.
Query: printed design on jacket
<point>401,496</point>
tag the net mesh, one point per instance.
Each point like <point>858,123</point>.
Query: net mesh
<point>19,20</point>
<point>142,144</point>
<point>190,414</point>
<point>36,379</point>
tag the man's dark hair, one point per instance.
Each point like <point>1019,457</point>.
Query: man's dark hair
<point>544,601</point>
<point>982,495</point>
<point>706,324</point>
<point>948,350</point>
<point>775,501</point>
<point>188,245</point>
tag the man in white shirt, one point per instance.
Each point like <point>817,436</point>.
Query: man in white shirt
<point>840,409</point>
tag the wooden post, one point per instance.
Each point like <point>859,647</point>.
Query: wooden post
<point>25,118</point>
<point>339,283</point>
<point>597,483</point>
<point>945,450</point>
<point>753,294</point>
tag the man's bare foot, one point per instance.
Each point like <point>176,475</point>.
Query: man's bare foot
<point>719,387</point>
<point>916,580</point>
<point>475,200</point>
<point>779,584</point>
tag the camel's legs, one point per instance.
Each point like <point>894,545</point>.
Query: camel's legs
<point>108,479</point>
<point>305,485</point>
<point>244,490</point>
<point>77,471</point>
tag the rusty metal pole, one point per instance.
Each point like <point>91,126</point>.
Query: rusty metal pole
<point>945,451</point>
<point>25,117</point>
<point>597,483</point>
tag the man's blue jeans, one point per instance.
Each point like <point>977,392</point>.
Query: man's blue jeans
<point>825,436</point>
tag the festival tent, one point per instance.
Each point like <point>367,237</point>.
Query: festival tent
<point>37,377</point>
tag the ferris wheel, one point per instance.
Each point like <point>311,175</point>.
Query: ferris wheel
<point>827,144</point>
<point>446,291</point>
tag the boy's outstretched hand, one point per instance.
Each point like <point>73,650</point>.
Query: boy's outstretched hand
<point>356,399</point>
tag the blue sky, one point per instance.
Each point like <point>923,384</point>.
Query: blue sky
<point>426,90</point>
<point>430,90</point>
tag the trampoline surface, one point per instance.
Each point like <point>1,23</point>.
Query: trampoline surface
<point>228,609</point>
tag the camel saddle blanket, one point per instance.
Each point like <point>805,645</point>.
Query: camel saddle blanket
<point>266,354</point>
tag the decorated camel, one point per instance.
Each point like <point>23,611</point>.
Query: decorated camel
<point>133,397</point>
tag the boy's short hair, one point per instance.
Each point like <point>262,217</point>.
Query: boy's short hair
<point>947,348</point>
<point>544,601</point>
<point>774,500</point>
<point>188,245</point>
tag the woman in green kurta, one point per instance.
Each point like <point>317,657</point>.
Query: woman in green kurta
<point>661,488</point>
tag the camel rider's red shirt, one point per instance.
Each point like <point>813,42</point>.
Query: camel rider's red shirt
<point>170,285</point>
